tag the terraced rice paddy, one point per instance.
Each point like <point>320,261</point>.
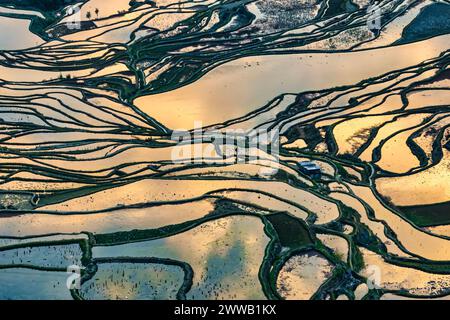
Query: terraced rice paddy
<point>112,162</point>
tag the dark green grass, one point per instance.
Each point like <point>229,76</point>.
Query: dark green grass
<point>42,5</point>
<point>336,7</point>
<point>432,21</point>
<point>292,232</point>
<point>429,215</point>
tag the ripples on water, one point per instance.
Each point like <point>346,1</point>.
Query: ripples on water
<point>87,110</point>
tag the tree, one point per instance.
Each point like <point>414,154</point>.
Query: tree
<point>97,12</point>
<point>88,15</point>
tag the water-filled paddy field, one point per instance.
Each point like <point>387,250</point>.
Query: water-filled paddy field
<point>112,160</point>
